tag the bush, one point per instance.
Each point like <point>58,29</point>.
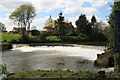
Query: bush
<point>35,32</point>
<point>3,69</point>
<point>79,38</point>
<point>34,39</point>
<point>37,39</point>
<point>73,33</point>
<point>97,37</point>
<point>24,38</point>
<point>14,32</point>
<point>42,38</point>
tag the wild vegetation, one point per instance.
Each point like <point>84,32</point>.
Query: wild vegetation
<point>58,74</point>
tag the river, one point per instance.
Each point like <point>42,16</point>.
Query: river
<point>75,57</point>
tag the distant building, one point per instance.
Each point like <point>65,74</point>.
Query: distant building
<point>51,30</point>
<point>48,30</point>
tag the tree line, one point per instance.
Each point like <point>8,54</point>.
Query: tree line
<point>24,15</point>
<point>94,30</point>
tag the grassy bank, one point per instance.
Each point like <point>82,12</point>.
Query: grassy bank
<point>5,38</point>
<point>76,40</point>
<point>57,74</point>
<point>8,37</point>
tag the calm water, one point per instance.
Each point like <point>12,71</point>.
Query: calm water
<point>76,58</point>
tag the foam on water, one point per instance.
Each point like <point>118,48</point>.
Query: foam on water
<point>89,53</point>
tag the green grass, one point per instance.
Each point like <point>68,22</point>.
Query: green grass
<point>57,74</point>
<point>53,38</point>
<point>53,74</point>
<point>9,37</point>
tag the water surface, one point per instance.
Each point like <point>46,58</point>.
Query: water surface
<point>76,58</point>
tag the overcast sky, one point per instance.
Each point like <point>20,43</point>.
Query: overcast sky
<point>71,10</point>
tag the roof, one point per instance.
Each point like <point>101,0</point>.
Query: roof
<point>48,29</point>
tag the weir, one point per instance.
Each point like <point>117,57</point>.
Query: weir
<point>77,58</point>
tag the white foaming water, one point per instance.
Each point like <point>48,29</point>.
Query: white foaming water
<point>89,53</point>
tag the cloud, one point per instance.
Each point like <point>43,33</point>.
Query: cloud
<point>10,5</point>
<point>47,5</point>
<point>44,5</point>
<point>75,7</point>
<point>73,20</point>
<point>8,23</point>
<point>76,10</point>
<point>109,8</point>
<point>90,10</point>
<point>99,3</point>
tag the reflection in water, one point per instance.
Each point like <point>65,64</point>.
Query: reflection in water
<point>53,57</point>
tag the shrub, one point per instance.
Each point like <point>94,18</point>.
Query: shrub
<point>79,38</point>
<point>3,69</point>
<point>42,38</point>
<point>24,38</point>
<point>37,39</point>
<point>35,32</point>
<point>97,37</point>
<point>14,32</point>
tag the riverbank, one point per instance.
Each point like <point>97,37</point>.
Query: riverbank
<point>59,74</point>
<point>6,46</point>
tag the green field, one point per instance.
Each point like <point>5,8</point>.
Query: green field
<point>9,37</point>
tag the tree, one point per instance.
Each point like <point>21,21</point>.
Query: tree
<point>83,25</point>
<point>111,21</point>
<point>59,25</point>
<point>115,7</point>
<point>93,20</point>
<point>2,27</point>
<point>99,26</point>
<point>49,22</point>
<point>23,16</point>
